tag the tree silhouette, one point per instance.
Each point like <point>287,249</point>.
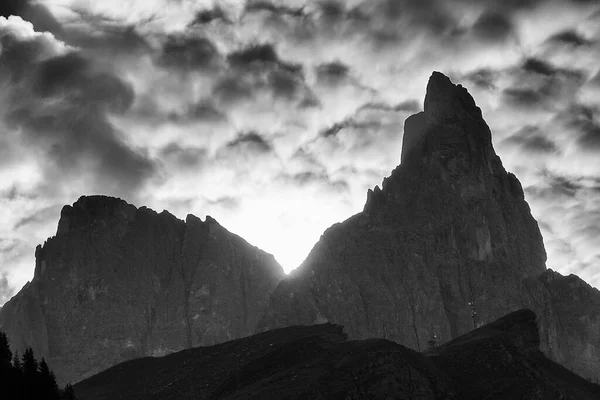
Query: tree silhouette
<point>68,393</point>
<point>24,378</point>
<point>48,383</point>
<point>16,362</point>
<point>9,375</point>
<point>5,353</point>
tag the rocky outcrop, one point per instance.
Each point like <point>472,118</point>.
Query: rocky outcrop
<point>447,244</point>
<point>118,282</point>
<point>498,361</point>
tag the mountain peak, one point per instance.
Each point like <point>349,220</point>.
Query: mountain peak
<point>450,126</point>
<point>445,101</point>
<point>90,208</point>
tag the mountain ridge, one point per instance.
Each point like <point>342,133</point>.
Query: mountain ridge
<point>499,360</point>
<point>118,282</point>
<point>446,245</point>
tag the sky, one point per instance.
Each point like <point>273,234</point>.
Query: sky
<point>276,117</point>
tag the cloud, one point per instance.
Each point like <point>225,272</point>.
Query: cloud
<point>6,291</point>
<point>539,84</point>
<point>184,158</point>
<point>332,73</point>
<point>250,142</point>
<point>281,114</point>
<point>259,56</point>
<point>570,38</point>
<point>581,120</point>
<point>266,6</point>
<point>493,26</point>
<point>570,228</point>
<point>531,139</point>
<point>60,102</point>
<point>189,53</point>
<point>206,16</point>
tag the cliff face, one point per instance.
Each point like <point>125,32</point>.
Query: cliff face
<point>447,244</point>
<point>117,282</point>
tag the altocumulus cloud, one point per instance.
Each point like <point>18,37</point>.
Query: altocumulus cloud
<point>281,114</point>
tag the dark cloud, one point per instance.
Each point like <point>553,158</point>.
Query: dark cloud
<point>516,5</point>
<point>557,186</point>
<point>232,90</point>
<point>40,217</point>
<point>13,7</point>
<point>581,120</point>
<point>72,75</point>
<point>532,140</point>
<point>259,56</point>
<point>595,80</point>
<point>410,106</point>
<point>99,38</point>
<point>484,78</point>
<point>32,11</point>
<point>250,141</point>
<point>309,178</point>
<point>8,245</point>
<point>209,15</point>
<point>206,111</point>
<point>493,26</point>
<point>258,69</point>
<point>569,37</point>
<point>189,53</point>
<point>529,98</point>
<point>61,105</point>
<point>364,127</point>
<point>332,10</point>
<point>266,6</point>
<point>539,84</point>
<point>428,15</point>
<point>536,66</point>
<point>203,111</point>
<point>590,137</point>
<point>332,73</point>
<point>284,84</point>
<point>334,129</point>
<point>187,158</point>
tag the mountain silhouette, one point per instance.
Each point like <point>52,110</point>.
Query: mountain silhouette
<point>445,246</point>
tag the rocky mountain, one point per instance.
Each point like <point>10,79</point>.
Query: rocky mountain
<point>447,244</point>
<point>119,282</point>
<point>501,360</point>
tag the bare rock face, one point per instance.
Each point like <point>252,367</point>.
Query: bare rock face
<point>118,282</point>
<point>446,245</point>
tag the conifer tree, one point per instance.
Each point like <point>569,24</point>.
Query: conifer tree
<point>16,362</point>
<point>5,353</point>
<point>24,378</point>
<point>68,393</point>
<point>48,383</point>
<point>10,377</point>
<point>30,364</point>
<point>31,387</point>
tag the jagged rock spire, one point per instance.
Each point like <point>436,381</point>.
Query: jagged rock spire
<point>445,101</point>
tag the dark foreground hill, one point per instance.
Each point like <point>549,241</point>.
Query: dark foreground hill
<point>501,360</point>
